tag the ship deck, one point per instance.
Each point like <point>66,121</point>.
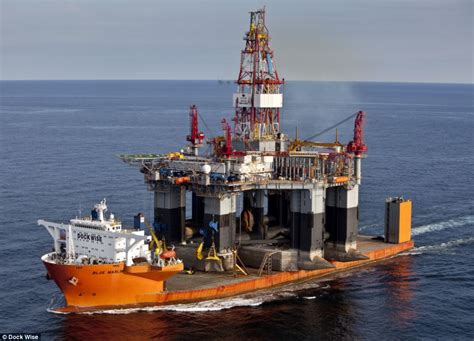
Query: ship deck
<point>203,280</point>
<point>375,249</point>
<point>201,286</point>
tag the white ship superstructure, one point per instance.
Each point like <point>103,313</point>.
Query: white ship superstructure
<point>97,239</point>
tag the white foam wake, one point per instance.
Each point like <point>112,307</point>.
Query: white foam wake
<point>368,226</point>
<point>451,223</point>
<point>205,306</point>
<point>440,247</point>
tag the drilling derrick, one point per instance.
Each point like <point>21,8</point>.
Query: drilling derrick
<point>258,99</point>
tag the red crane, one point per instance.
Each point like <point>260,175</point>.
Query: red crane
<point>357,145</point>
<point>196,136</point>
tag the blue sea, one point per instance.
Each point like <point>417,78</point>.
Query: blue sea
<point>59,142</point>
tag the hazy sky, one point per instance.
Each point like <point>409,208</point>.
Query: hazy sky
<point>393,40</point>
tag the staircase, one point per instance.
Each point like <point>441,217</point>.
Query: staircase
<point>267,263</point>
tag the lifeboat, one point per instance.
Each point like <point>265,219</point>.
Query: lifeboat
<point>168,254</point>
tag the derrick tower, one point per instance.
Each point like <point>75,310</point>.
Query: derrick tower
<point>258,99</point>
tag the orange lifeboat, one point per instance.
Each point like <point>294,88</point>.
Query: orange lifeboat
<point>182,180</point>
<point>168,254</point>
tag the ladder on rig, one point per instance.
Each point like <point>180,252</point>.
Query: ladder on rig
<point>267,263</point>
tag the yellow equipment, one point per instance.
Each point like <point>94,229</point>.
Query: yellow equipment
<point>296,145</point>
<point>212,254</point>
<point>175,155</point>
<point>199,255</point>
<point>242,268</point>
<point>158,243</point>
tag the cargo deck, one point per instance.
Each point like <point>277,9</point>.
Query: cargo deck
<point>375,250</point>
<point>201,286</point>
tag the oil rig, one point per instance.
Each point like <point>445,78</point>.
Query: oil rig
<point>298,199</point>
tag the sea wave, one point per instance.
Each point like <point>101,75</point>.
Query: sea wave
<point>455,222</point>
<point>436,248</point>
<point>368,226</point>
<point>40,111</point>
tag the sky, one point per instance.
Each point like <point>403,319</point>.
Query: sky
<point>321,40</point>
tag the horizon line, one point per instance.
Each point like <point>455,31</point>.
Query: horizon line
<point>227,80</point>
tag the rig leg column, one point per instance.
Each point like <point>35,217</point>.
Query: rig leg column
<point>342,218</point>
<point>197,209</point>
<point>312,223</point>
<point>220,210</point>
<point>307,227</point>
<point>274,206</point>
<point>259,214</point>
<point>295,205</point>
<point>170,213</point>
<point>278,207</point>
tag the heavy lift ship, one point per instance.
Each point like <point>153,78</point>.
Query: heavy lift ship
<point>299,203</point>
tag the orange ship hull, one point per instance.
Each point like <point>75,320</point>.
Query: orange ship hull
<point>109,286</point>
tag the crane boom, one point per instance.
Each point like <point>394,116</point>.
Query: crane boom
<point>331,127</point>
<point>357,145</point>
<point>297,144</point>
<point>155,238</point>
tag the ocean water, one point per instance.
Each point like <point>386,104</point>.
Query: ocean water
<point>58,147</point>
